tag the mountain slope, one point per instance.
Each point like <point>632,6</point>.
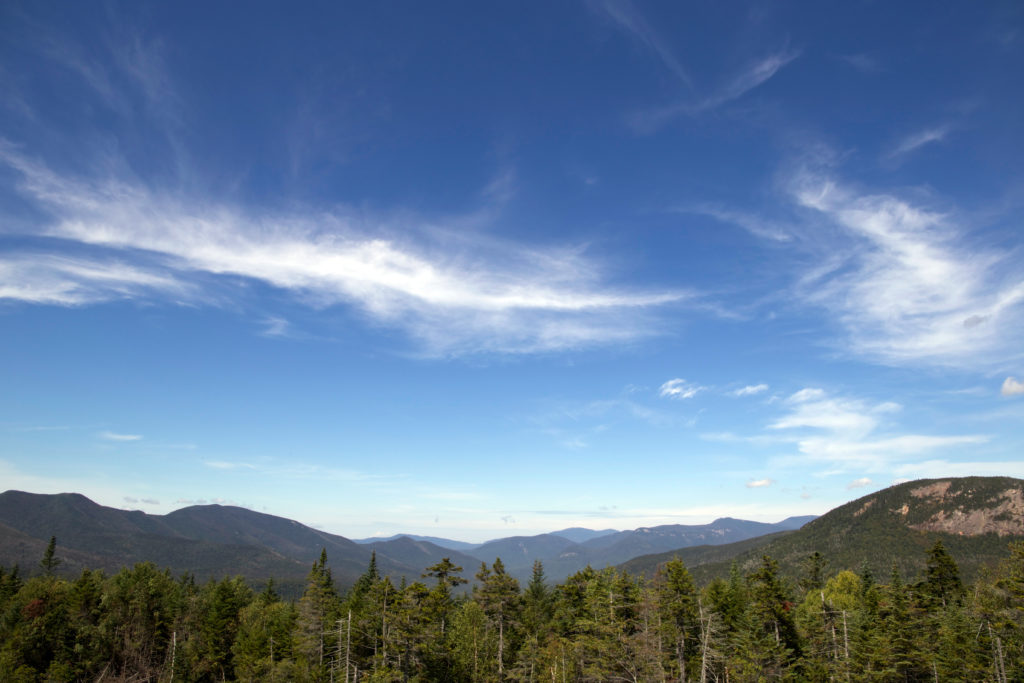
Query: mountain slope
<point>518,553</point>
<point>412,557</point>
<point>578,534</point>
<point>208,541</point>
<point>974,517</point>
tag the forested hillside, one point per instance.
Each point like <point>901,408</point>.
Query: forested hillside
<point>144,624</point>
<point>973,517</point>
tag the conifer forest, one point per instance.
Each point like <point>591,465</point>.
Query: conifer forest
<point>143,624</point>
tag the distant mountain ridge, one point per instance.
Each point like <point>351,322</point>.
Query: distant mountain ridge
<point>441,542</point>
<point>217,540</point>
<point>574,534</point>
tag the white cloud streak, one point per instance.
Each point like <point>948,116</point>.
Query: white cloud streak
<point>858,483</point>
<point>908,287</point>
<point>113,436</point>
<point>759,483</point>
<point>751,390</point>
<point>454,295</point>
<point>228,465</point>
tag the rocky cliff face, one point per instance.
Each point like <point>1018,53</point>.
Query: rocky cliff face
<point>961,512</point>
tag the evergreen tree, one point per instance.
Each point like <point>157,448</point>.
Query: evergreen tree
<point>142,606</point>
<point>679,617</point>
<point>10,584</point>
<point>474,644</point>
<point>222,603</point>
<point>85,612</point>
<point>814,572</point>
<point>900,655</point>
<point>263,648</point>
<point>447,575</point>
<point>942,578</point>
<point>318,608</point>
<point>50,561</point>
<point>269,594</point>
<point>498,595</point>
<point>772,605</point>
<point>537,602</point>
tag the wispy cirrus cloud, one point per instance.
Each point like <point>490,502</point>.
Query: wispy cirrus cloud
<point>73,280</point>
<point>755,74</point>
<point>907,285</point>
<point>812,408</point>
<point>759,483</point>
<point>920,139</point>
<point>751,222</point>
<point>679,389</point>
<point>274,326</point>
<point>280,469</point>
<point>863,62</point>
<point>453,294</point>
<point>750,390</point>
<point>847,434</point>
<point>858,483</point>
<point>121,70</point>
<point>631,21</point>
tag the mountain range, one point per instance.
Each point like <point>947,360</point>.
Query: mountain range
<point>975,517</point>
<point>217,540</point>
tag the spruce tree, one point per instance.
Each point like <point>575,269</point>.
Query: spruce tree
<point>50,561</point>
<point>942,583</point>
<point>537,602</point>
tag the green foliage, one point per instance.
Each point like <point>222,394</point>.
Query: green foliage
<point>599,625</point>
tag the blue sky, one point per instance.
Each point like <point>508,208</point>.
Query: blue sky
<point>478,269</point>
